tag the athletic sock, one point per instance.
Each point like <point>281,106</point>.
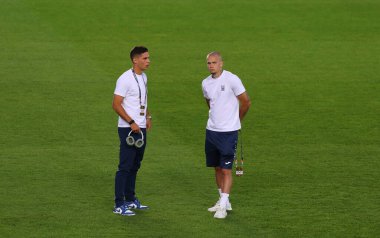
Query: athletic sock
<point>220,192</point>
<point>224,200</point>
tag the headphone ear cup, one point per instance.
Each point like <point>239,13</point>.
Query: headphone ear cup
<point>130,140</point>
<point>139,143</point>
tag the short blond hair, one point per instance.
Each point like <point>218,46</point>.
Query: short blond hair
<point>215,53</point>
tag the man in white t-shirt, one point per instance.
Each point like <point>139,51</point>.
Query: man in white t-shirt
<point>130,102</point>
<point>228,102</point>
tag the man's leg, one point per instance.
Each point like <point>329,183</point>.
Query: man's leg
<point>129,189</point>
<point>130,198</point>
<point>135,166</point>
<point>120,180</point>
<point>221,211</point>
<point>227,180</point>
<point>228,149</point>
<point>126,155</point>
<point>122,175</point>
<point>212,158</point>
<point>219,184</point>
<point>219,179</point>
<point>227,184</point>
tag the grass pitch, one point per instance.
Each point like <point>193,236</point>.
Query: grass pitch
<point>311,138</point>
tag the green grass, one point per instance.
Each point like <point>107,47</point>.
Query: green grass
<point>311,138</point>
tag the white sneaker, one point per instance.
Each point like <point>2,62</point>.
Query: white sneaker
<point>217,206</point>
<point>221,213</point>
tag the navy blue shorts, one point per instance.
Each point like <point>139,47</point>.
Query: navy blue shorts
<point>220,148</point>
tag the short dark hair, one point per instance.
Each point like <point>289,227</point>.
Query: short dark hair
<point>137,50</point>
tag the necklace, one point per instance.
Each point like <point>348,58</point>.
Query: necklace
<point>142,106</point>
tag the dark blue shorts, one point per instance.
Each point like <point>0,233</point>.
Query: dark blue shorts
<point>220,148</point>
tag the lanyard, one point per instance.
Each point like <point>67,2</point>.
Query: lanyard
<point>146,89</point>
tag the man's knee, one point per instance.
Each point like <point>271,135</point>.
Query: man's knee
<point>226,172</point>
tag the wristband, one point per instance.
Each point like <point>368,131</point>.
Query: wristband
<point>131,122</point>
<point>149,117</point>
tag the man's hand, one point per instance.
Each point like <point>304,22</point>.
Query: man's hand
<point>135,128</point>
<point>148,123</point>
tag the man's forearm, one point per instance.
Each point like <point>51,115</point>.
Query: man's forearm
<point>122,113</point>
<point>243,110</point>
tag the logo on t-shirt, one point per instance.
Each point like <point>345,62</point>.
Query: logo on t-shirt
<point>222,87</point>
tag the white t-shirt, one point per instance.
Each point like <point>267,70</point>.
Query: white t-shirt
<point>126,86</point>
<point>224,105</point>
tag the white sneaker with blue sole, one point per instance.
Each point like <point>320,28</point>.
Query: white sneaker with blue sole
<point>136,205</point>
<point>123,210</point>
